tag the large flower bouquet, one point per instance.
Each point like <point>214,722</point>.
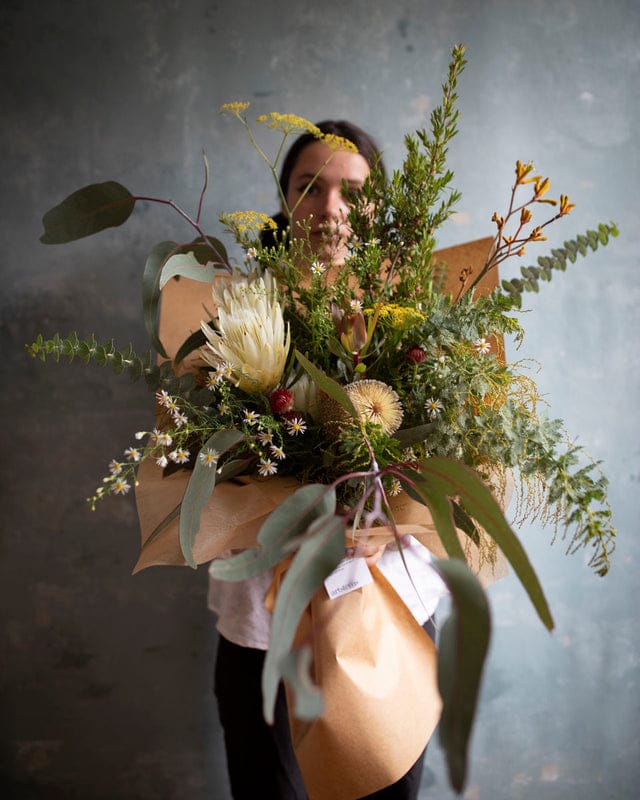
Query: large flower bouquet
<point>385,380</point>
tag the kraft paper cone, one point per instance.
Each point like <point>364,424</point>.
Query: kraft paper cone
<point>378,671</point>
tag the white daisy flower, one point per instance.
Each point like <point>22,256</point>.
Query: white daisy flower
<point>180,419</point>
<point>250,417</point>
<point>162,461</point>
<point>277,452</point>
<point>265,437</point>
<point>355,306</point>
<point>115,467</point>
<point>433,407</point>
<point>267,467</point>
<point>482,346</point>
<point>162,438</point>
<point>296,426</point>
<point>318,268</point>
<point>133,454</point>
<point>163,397</point>
<point>121,486</point>
<point>209,457</point>
<point>179,455</point>
<point>223,408</point>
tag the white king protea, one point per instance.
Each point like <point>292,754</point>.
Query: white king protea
<point>252,339</point>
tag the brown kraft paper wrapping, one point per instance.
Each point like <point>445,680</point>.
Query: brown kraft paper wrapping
<point>378,672</point>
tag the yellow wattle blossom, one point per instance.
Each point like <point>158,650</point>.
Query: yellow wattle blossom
<point>289,123</point>
<point>252,339</point>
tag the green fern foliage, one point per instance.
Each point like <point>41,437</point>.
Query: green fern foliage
<point>532,275</point>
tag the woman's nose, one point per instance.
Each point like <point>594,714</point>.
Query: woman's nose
<point>334,206</point>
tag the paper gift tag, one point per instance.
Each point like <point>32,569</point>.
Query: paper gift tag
<point>350,574</point>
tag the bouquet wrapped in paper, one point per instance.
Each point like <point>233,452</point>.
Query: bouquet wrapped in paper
<point>298,407</point>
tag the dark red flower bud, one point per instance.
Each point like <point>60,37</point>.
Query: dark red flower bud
<point>281,401</point>
<point>416,354</point>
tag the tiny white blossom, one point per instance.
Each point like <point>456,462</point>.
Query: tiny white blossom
<point>318,268</point>
<point>396,488</point>
<point>180,419</point>
<point>121,486</point>
<point>209,457</point>
<point>223,408</point>
<point>433,407</point>
<point>264,437</point>
<point>140,435</point>
<point>163,397</point>
<point>162,461</point>
<point>133,454</point>
<point>251,417</point>
<point>251,253</point>
<point>296,426</point>
<point>355,306</point>
<point>277,452</point>
<point>267,467</point>
<point>115,467</point>
<point>162,438</point>
<point>211,381</point>
<point>482,346</point>
<point>179,455</point>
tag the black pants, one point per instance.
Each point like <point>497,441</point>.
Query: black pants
<point>260,757</point>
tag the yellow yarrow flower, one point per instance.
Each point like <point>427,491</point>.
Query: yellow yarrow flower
<point>235,108</point>
<point>289,123</point>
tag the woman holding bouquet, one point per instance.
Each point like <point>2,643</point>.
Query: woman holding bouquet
<point>260,757</point>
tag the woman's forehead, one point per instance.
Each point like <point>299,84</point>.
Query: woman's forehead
<point>335,165</point>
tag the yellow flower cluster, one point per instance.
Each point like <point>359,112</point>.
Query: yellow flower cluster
<point>335,142</point>
<point>235,108</point>
<point>245,223</point>
<point>401,317</point>
<point>289,123</point>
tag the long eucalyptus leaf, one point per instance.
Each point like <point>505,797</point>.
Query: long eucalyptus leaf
<point>199,489</point>
<point>151,291</point>
<point>327,384</point>
<point>317,557</point>
<point>187,266</point>
<point>460,481</point>
<point>287,521</point>
<point>463,644</point>
<point>196,340</point>
<point>409,436</point>
<point>87,211</point>
<point>296,667</point>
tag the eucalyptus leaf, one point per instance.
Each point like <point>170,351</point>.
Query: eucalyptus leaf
<point>296,670</point>
<point>207,250</point>
<point>409,436</point>
<point>87,211</point>
<point>187,266</point>
<point>463,644</point>
<point>327,384</point>
<point>151,291</point>
<point>317,557</point>
<point>443,476</point>
<point>287,521</point>
<point>199,490</point>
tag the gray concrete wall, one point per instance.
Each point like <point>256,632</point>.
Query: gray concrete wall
<point>105,678</point>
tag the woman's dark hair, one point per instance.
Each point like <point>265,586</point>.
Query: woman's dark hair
<point>367,148</point>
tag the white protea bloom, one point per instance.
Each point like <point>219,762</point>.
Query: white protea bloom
<point>252,338</point>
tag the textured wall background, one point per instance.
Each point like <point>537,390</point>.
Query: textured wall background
<point>105,679</point>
